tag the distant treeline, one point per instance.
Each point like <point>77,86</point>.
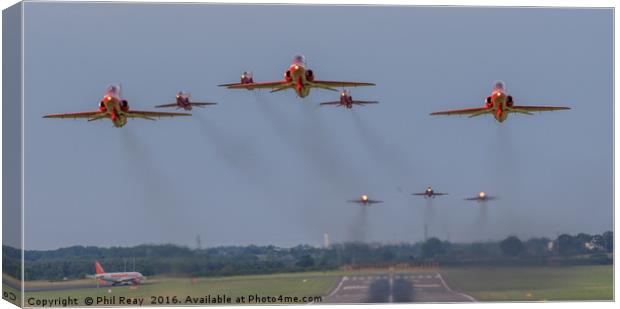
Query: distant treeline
<point>78,261</point>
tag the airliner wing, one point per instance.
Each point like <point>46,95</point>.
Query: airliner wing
<point>87,115</point>
<point>128,280</point>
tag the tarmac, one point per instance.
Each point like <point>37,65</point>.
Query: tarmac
<point>395,288</point>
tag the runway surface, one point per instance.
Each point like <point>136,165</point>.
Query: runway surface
<point>394,288</point>
<point>377,287</point>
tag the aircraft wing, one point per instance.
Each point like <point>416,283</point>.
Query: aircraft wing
<point>434,193</point>
<point>328,84</point>
<point>228,85</point>
<point>330,103</point>
<point>202,103</point>
<point>365,102</point>
<point>269,85</point>
<point>539,108</point>
<point>487,198</point>
<point>467,111</point>
<point>365,202</point>
<point>126,280</point>
<point>167,105</point>
<point>87,115</point>
<point>151,115</point>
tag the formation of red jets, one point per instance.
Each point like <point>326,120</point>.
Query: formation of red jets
<point>301,80</point>
<point>482,196</point>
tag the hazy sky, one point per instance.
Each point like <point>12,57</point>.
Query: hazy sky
<point>268,168</point>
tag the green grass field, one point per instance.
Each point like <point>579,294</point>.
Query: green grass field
<point>593,282</point>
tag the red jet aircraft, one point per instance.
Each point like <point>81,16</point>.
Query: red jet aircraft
<point>347,101</point>
<point>297,77</point>
<point>116,109</point>
<point>184,103</point>
<point>365,201</point>
<point>246,79</point>
<point>429,193</point>
<point>482,196</point>
<point>500,104</point>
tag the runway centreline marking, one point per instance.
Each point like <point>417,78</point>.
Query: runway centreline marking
<point>452,291</point>
<point>391,296</point>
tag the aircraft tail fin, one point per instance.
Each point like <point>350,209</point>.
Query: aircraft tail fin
<point>98,269</point>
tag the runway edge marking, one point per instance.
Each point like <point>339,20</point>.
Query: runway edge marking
<point>335,290</point>
<point>443,282</point>
<point>338,286</point>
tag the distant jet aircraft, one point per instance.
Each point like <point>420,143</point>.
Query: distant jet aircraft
<point>297,77</point>
<point>482,196</point>
<point>347,101</point>
<point>184,103</point>
<point>429,193</point>
<point>124,278</point>
<point>246,79</point>
<point>115,108</point>
<point>500,104</point>
<point>365,201</point>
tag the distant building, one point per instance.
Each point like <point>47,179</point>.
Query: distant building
<point>591,246</point>
<point>550,245</point>
<point>198,242</point>
<point>326,241</point>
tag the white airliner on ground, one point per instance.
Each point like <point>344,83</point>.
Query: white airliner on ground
<point>132,277</point>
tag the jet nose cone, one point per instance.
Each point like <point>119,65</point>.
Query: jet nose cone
<point>295,68</point>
